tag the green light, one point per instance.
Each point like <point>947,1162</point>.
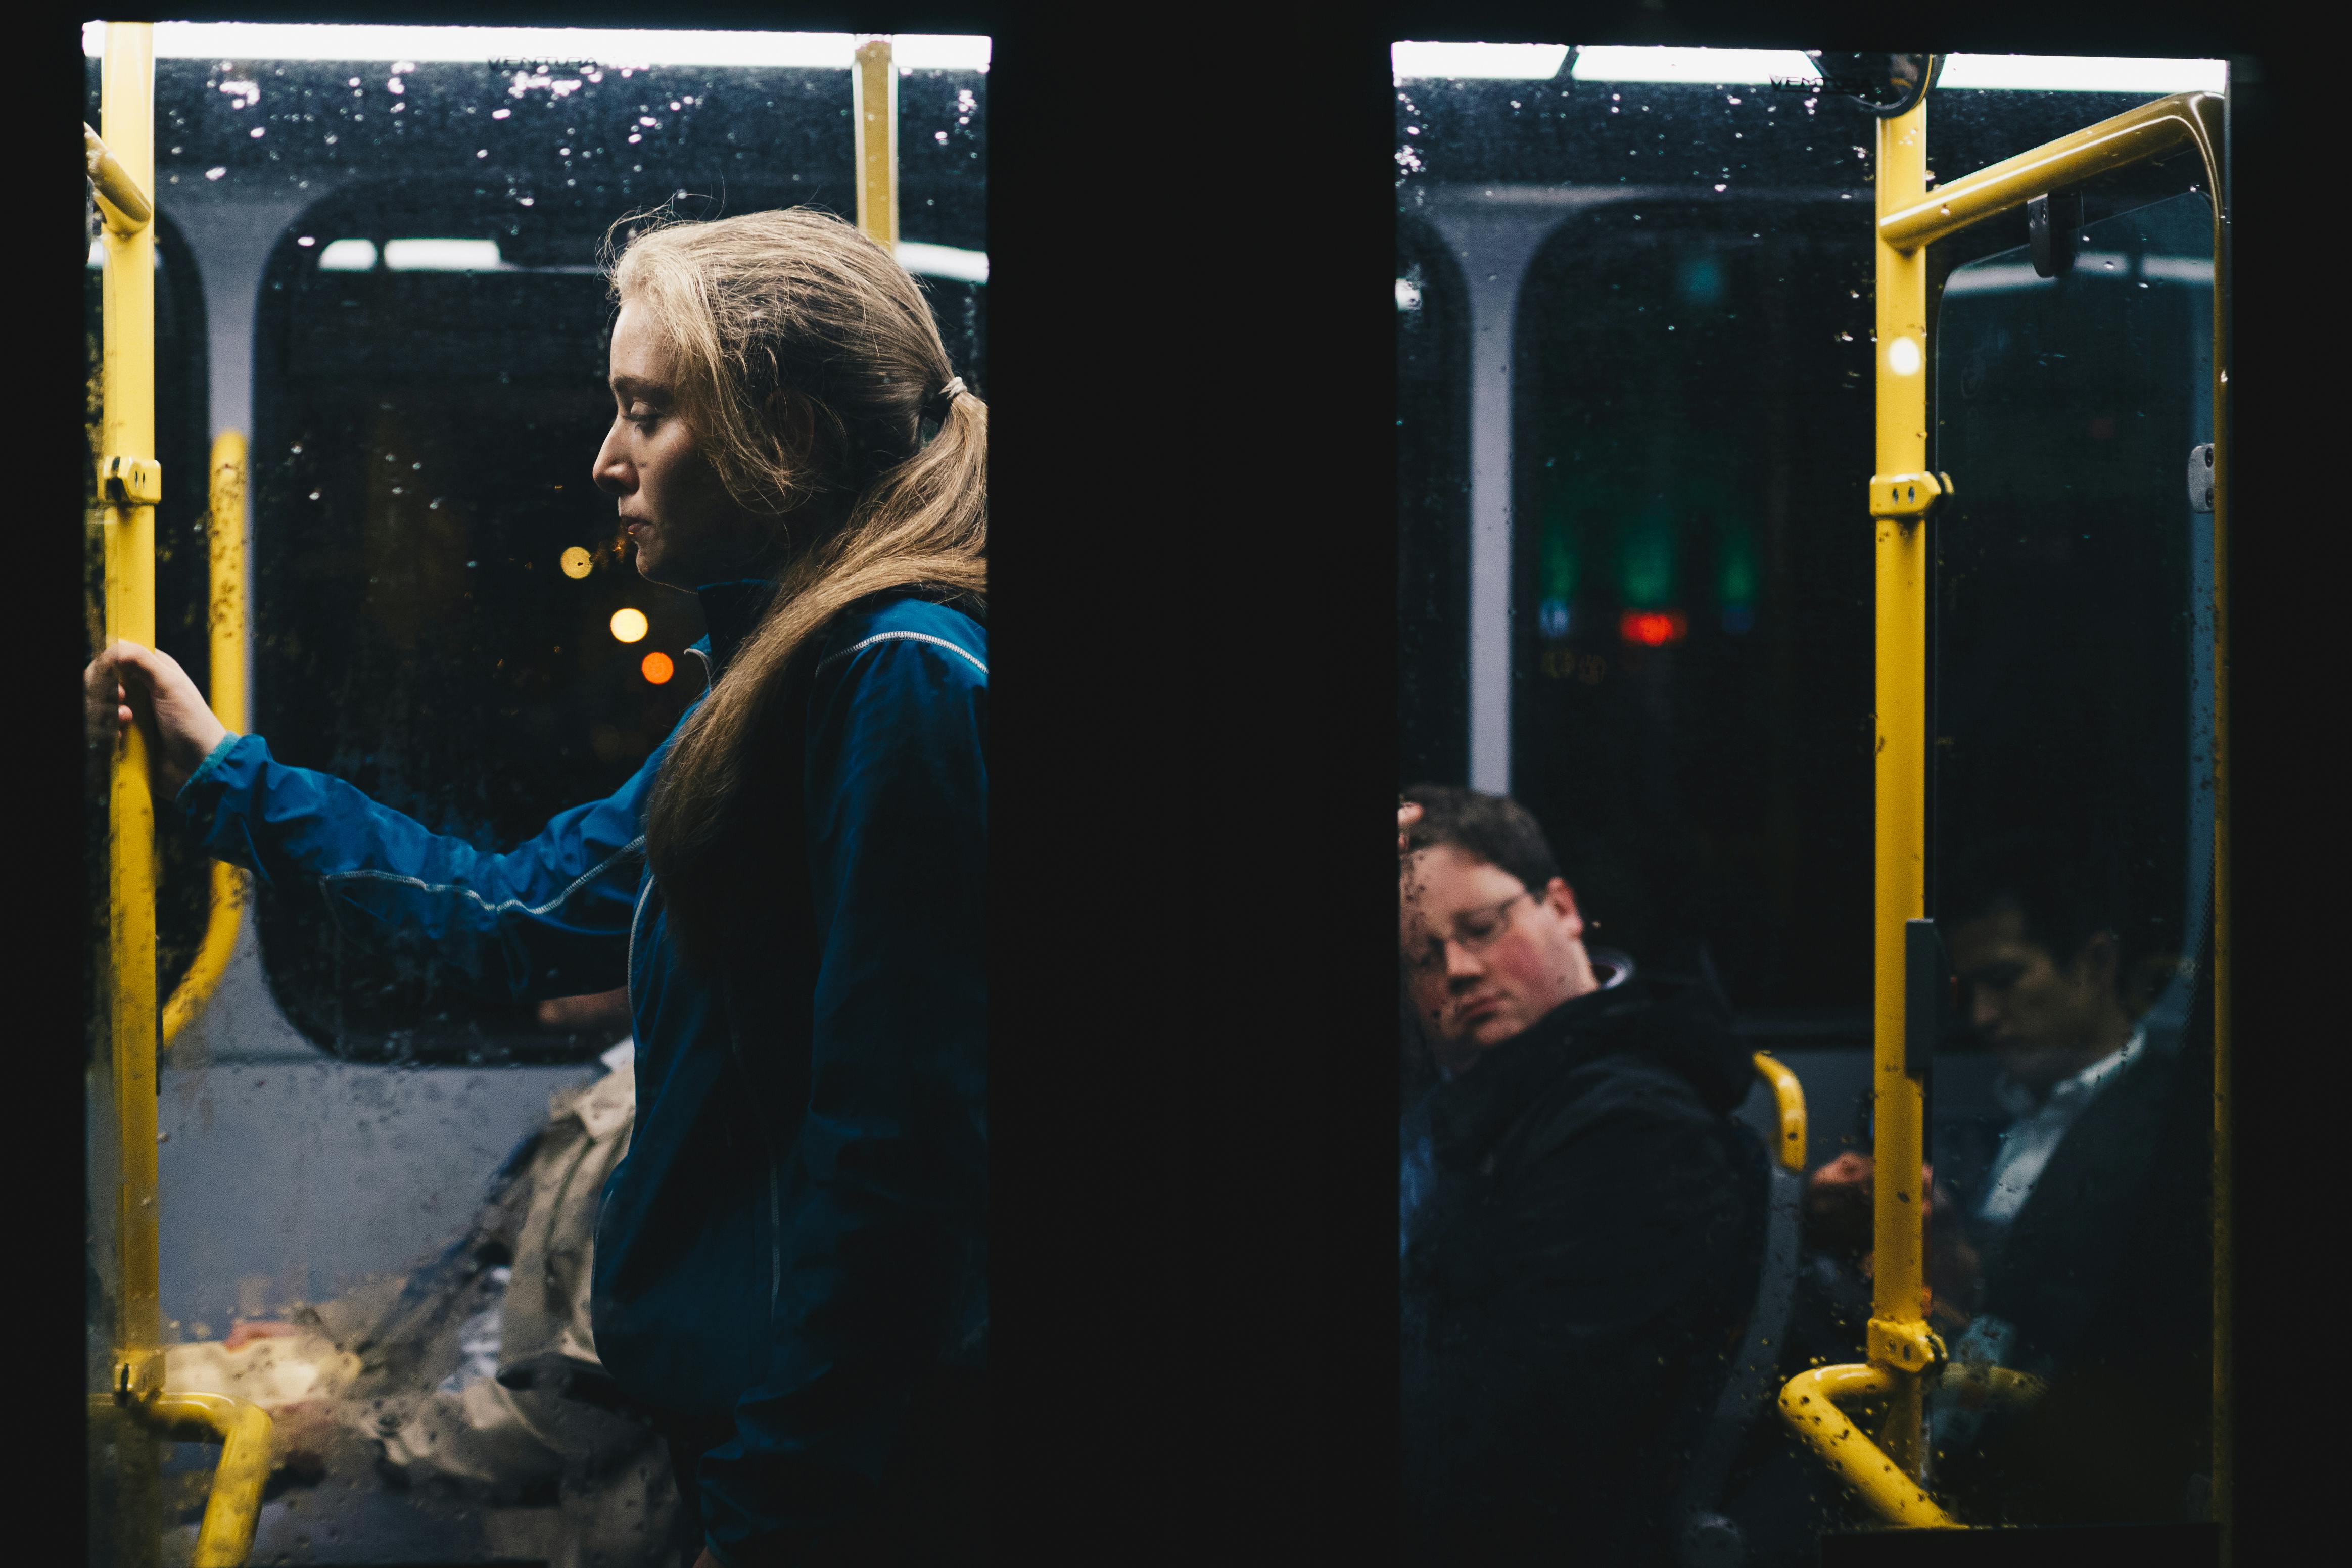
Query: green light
<point>1735,558</point>
<point>1645,555</point>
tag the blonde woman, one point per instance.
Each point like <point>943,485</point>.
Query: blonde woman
<point>790,1271</point>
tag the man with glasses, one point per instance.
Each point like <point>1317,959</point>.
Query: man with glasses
<point>1583,1217</point>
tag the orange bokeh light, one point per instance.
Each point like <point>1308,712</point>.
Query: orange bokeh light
<point>658,667</point>
<point>1653,628</point>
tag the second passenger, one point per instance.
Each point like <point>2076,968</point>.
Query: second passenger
<point>1582,1217</point>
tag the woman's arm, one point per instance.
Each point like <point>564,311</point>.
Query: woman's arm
<point>550,917</point>
<point>884,1200</point>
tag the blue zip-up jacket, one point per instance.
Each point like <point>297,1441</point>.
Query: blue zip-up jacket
<point>796,1236</point>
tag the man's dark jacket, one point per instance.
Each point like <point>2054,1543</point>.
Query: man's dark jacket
<point>1577,1272</point>
<point>793,1257</point>
<point>2106,1274</point>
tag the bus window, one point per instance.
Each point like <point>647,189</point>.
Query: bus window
<point>1648,615</point>
<point>385,272</point>
<point>2071,858</point>
<point>1432,515</point>
<point>424,319</point>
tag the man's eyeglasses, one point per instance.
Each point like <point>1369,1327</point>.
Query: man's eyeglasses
<point>1474,931</point>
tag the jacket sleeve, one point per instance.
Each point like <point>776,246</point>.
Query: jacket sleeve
<point>884,1194</point>
<point>550,917</point>
<point>1552,1405</point>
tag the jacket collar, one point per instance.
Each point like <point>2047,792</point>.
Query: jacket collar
<point>1469,1112</point>
<point>730,610</point>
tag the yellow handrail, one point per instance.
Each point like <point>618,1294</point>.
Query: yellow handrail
<point>1901,1346</point>
<point>224,1538</point>
<point>1902,1351</point>
<point>225,531</point>
<point>1809,1405</point>
<point>127,437</point>
<point>131,483</point>
<point>2131,137</point>
<point>874,87</point>
<point>1789,1099</point>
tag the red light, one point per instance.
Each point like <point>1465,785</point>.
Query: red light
<point>1653,628</point>
<point>658,667</point>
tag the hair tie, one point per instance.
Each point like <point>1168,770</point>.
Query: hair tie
<point>936,406</point>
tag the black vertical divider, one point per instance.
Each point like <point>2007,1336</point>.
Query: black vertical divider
<point>1194,624</point>
<point>47,923</point>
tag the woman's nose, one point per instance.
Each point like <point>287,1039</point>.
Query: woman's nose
<point>611,474</point>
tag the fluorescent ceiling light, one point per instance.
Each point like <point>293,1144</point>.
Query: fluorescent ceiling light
<point>348,255</point>
<point>2082,73</point>
<point>1495,62</point>
<point>1713,67</point>
<point>944,261</point>
<point>440,255</point>
<point>604,45</point>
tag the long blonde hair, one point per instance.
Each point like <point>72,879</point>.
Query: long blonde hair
<point>798,301</point>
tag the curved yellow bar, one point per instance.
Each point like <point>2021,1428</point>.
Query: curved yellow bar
<point>2185,118</point>
<point>1809,1405</point>
<point>124,205</point>
<point>1789,1096</point>
<point>226,529</point>
<point>225,1539</point>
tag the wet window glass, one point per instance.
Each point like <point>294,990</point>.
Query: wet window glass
<point>1636,373</point>
<point>2072,858</point>
<point>385,273</point>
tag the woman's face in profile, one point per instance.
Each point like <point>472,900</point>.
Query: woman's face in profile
<point>689,531</point>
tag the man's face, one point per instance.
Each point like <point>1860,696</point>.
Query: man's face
<point>1483,957</point>
<point>2039,1016</point>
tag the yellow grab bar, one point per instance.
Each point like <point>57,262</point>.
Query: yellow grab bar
<point>127,437</point>
<point>1809,1405</point>
<point>225,1538</point>
<point>225,530</point>
<point>1788,1097</point>
<point>2185,118</point>
<point>1902,1351</point>
<point>121,200</point>
<point>874,87</point>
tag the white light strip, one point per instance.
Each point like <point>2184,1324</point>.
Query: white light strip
<point>1736,68</point>
<point>348,255</point>
<point>2082,73</point>
<point>439,254</point>
<point>607,46</point>
<point>1711,68</point>
<point>943,261</point>
<point>1492,62</point>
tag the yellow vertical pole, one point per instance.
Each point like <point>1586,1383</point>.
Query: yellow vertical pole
<point>1899,1332</point>
<point>874,89</point>
<point>128,436</point>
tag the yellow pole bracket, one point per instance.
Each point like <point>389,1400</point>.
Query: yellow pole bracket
<point>1907,498</point>
<point>123,204</point>
<point>130,481</point>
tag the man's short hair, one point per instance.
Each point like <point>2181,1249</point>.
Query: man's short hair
<point>2065,894</point>
<point>1491,828</point>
